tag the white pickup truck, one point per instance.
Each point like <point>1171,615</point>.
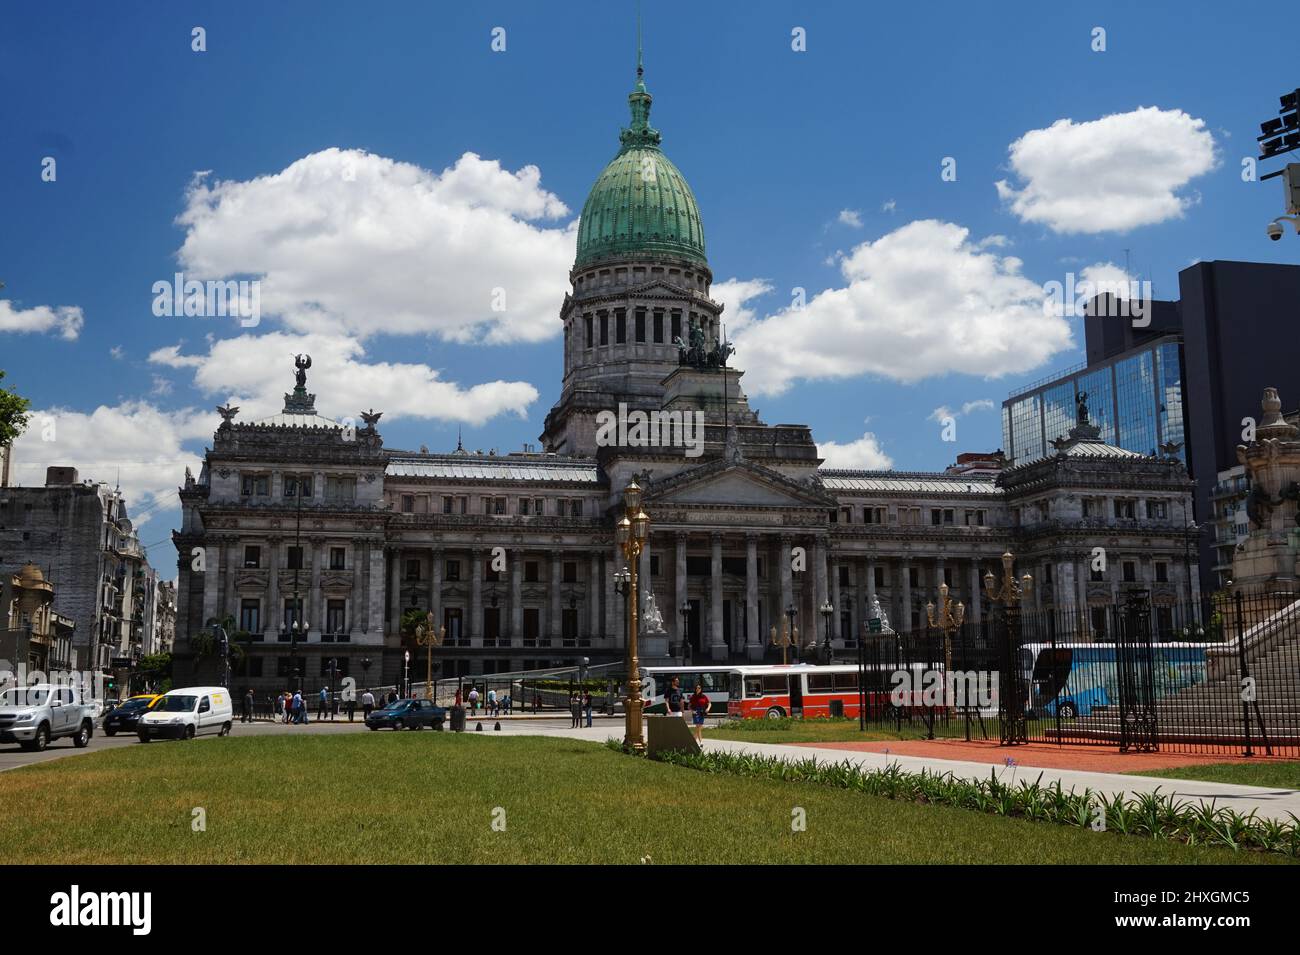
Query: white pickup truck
<point>34,715</point>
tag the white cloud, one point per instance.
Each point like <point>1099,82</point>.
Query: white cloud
<point>864,454</point>
<point>918,302</point>
<point>979,404</point>
<point>349,242</point>
<point>1110,174</point>
<point>161,386</point>
<point>943,412</point>
<point>735,294</point>
<point>851,218</point>
<point>117,352</point>
<point>255,371</point>
<point>64,320</point>
<point>135,444</point>
<point>889,205</point>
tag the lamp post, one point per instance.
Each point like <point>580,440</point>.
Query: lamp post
<point>632,533</point>
<point>293,629</point>
<point>406,679</point>
<point>622,585</point>
<point>427,636</point>
<point>786,637</point>
<point>826,610</point>
<point>685,611</point>
<point>948,617</point>
<point>1011,698</point>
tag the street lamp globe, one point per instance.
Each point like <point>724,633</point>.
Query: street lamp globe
<point>623,532</point>
<point>632,496</point>
<point>641,526</point>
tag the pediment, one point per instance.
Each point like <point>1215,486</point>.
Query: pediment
<point>740,484</point>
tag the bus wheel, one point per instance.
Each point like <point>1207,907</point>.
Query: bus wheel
<point>1068,710</point>
<point>775,713</point>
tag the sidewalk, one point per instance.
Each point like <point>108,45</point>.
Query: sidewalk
<point>1271,803</point>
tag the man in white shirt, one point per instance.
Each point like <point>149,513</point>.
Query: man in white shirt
<point>367,703</point>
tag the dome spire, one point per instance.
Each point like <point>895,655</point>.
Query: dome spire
<point>640,132</point>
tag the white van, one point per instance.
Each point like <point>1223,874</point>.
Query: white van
<point>188,712</point>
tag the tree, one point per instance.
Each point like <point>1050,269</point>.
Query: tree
<point>13,414</point>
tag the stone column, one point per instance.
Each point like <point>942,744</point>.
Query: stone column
<point>435,585</point>
<point>355,599</point>
<point>593,595</point>
<point>821,590</point>
<point>376,592</point>
<point>516,594</point>
<point>680,592</point>
<point>940,566</point>
<point>274,612</point>
<point>905,578</point>
<point>787,581</point>
<point>837,637</point>
<point>753,639</point>
<point>315,622</point>
<point>395,592</point>
<point>476,597</point>
<point>234,560</point>
<point>717,646</point>
<point>211,581</point>
<point>613,563</point>
<point>555,623</point>
<point>870,590</point>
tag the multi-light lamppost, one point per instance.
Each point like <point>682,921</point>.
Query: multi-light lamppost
<point>788,637</point>
<point>632,533</point>
<point>1011,696</point>
<point>947,617</point>
<point>827,611</point>
<point>426,635</point>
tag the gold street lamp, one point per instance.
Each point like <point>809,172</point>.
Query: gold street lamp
<point>427,636</point>
<point>632,532</point>
<point>1010,591</point>
<point>949,620</point>
<point>786,638</point>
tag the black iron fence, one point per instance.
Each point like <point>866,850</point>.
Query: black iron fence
<point>1219,676</point>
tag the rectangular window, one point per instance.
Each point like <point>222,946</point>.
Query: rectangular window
<point>453,569</point>
<point>335,617</point>
<point>500,508</point>
<point>640,324</point>
<point>250,617</point>
<point>413,569</point>
<point>1124,510</point>
<point>408,503</point>
<point>561,506</point>
<point>659,328</point>
<point>343,489</point>
<point>255,485</point>
<point>575,508</point>
<point>338,558</point>
<point>487,505</point>
<point>936,516</point>
<point>1157,510</point>
<point>620,325</point>
<point>532,571</point>
<point>1130,572</point>
<point>570,573</point>
<point>532,624</point>
<point>448,503</point>
<point>677,325</point>
<point>604,328</point>
<point>880,576</point>
<point>525,506</point>
<point>912,579</point>
<point>252,556</point>
<point>1162,572</point>
<point>654,565</point>
<point>295,558</point>
<point>587,321</point>
<point>539,506</point>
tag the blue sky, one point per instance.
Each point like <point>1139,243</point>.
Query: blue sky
<point>817,169</point>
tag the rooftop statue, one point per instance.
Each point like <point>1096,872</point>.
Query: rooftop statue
<point>698,352</point>
<point>1081,407</point>
<point>302,363</point>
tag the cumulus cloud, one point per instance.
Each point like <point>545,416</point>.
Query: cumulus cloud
<point>943,412</point>
<point>735,295</point>
<point>344,241</point>
<point>1111,174</point>
<point>135,444</point>
<point>921,301</point>
<point>63,320</point>
<point>864,454</point>
<point>851,218</point>
<point>254,372</point>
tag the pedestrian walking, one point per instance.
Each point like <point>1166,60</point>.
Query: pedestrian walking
<point>586,705</point>
<point>351,707</point>
<point>323,703</point>
<point>367,704</point>
<point>537,702</point>
<point>699,710</point>
<point>473,700</point>
<point>492,703</point>
<point>247,715</point>
<point>575,710</point>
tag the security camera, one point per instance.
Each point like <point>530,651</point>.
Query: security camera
<point>1274,231</point>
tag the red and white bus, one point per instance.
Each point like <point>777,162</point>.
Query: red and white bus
<point>806,690</point>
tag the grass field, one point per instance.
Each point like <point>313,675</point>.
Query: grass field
<point>1280,775</point>
<point>431,797</point>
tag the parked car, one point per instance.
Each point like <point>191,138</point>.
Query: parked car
<point>34,715</point>
<point>407,714</point>
<point>125,716</point>
<point>186,713</point>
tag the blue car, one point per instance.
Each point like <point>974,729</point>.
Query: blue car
<point>407,715</point>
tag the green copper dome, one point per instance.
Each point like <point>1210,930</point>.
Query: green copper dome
<point>640,202</point>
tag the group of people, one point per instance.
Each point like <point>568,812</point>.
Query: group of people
<point>493,705</point>
<point>677,703</point>
<point>580,704</point>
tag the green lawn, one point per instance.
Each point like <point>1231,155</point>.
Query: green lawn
<point>1279,775</point>
<point>429,797</point>
<point>841,730</point>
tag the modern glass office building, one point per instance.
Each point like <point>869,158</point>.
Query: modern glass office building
<point>1136,399</point>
